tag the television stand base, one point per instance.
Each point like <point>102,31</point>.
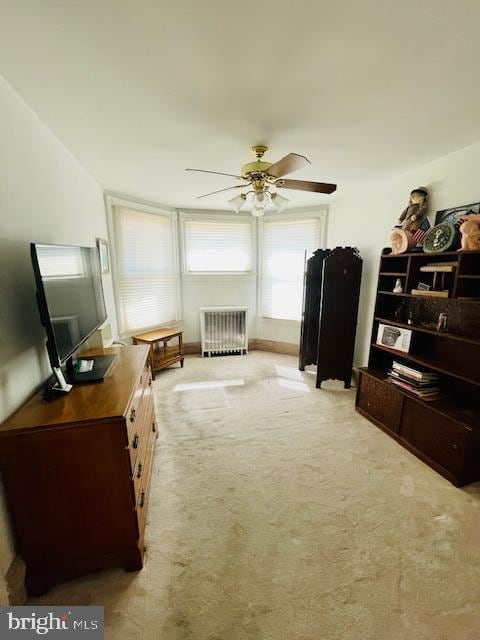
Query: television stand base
<point>101,366</point>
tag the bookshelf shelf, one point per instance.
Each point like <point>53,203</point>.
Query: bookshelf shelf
<point>398,274</point>
<point>428,363</point>
<point>445,431</point>
<point>433,332</point>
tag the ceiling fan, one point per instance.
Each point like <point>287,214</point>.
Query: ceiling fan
<point>260,177</point>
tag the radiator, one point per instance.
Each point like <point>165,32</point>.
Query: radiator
<point>223,330</point>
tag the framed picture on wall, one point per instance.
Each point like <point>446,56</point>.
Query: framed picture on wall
<point>452,215</point>
<point>102,245</point>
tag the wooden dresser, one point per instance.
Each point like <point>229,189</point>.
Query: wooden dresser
<point>77,473</point>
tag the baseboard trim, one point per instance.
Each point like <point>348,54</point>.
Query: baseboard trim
<point>15,579</point>
<point>193,348</point>
<point>275,347</point>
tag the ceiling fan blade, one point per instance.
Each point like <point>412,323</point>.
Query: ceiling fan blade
<point>305,185</point>
<point>287,164</point>
<point>236,186</point>
<point>218,173</point>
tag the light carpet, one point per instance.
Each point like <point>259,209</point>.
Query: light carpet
<point>277,512</point>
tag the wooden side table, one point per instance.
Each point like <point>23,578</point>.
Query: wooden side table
<point>162,357</point>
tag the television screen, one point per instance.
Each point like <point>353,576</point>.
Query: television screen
<point>70,295</point>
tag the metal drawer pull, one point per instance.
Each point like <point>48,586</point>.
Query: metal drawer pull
<point>139,470</point>
<point>133,414</point>
<point>149,382</point>
<point>142,499</point>
<point>154,428</point>
<point>135,441</point>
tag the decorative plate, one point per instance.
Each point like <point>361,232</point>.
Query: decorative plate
<point>440,238</point>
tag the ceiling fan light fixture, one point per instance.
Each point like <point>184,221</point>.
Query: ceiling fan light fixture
<point>258,211</point>
<point>279,202</point>
<point>237,202</point>
<point>261,199</point>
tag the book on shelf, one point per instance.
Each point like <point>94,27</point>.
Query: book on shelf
<point>439,267</point>
<point>424,393</point>
<point>431,294</point>
<point>434,394</point>
<point>420,384</point>
<point>416,374</point>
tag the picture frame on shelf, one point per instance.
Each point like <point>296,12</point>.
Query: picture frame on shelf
<point>394,337</point>
<point>451,216</point>
<point>104,254</point>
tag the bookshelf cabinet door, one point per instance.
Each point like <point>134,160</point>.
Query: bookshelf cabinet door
<point>380,401</point>
<point>437,436</point>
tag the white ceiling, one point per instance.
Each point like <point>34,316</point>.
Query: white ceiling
<point>139,90</point>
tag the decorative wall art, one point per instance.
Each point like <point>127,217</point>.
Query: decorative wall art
<point>102,246</point>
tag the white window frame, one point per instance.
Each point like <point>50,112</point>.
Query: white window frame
<point>320,214</point>
<point>215,217</point>
<point>112,201</point>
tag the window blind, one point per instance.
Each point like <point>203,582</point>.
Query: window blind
<point>146,267</point>
<point>283,254</point>
<point>217,246</point>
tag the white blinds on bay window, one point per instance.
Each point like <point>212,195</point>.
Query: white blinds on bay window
<point>217,245</point>
<point>146,267</point>
<point>283,254</point>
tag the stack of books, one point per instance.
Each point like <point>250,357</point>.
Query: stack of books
<point>422,384</point>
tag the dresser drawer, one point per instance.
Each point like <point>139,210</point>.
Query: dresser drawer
<point>135,411</point>
<point>141,505</point>
<point>379,400</point>
<point>144,415</point>
<point>140,465</point>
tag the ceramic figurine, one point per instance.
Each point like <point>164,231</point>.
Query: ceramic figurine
<point>416,211</point>
<point>470,230</point>
<point>398,286</point>
<point>442,323</point>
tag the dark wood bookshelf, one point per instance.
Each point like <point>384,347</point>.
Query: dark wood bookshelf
<point>444,432</point>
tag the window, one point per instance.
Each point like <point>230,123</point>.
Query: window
<point>217,245</point>
<point>284,243</point>
<point>146,268</point>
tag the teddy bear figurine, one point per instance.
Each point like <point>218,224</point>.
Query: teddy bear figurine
<point>416,211</point>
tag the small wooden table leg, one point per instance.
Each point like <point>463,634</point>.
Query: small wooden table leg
<point>150,357</point>
<point>180,348</point>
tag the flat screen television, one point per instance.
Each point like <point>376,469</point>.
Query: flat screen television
<point>71,305</point>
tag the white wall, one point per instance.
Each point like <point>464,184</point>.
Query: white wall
<point>363,218</point>
<point>216,291</point>
<point>45,196</point>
